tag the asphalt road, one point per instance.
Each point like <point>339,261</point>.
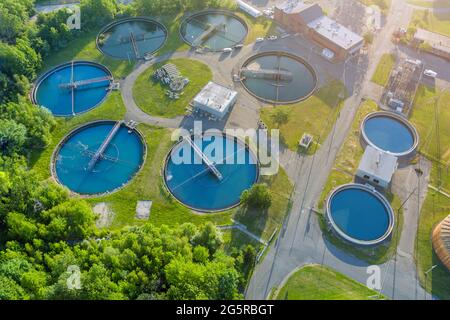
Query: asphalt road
<point>301,240</point>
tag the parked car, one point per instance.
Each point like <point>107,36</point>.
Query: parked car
<point>430,73</point>
<point>227,50</point>
<point>239,46</point>
<point>272,38</point>
<point>259,40</point>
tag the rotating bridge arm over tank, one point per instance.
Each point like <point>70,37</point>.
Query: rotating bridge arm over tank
<point>133,43</point>
<point>77,84</point>
<point>99,153</point>
<point>268,74</point>
<point>210,32</point>
<point>205,159</point>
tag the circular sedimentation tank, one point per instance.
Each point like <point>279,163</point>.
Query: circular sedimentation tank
<point>98,158</point>
<point>391,133</point>
<point>278,77</point>
<point>131,38</point>
<point>192,182</point>
<point>72,88</point>
<point>360,214</point>
<point>214,30</point>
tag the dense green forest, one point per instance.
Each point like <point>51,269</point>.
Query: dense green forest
<point>43,231</point>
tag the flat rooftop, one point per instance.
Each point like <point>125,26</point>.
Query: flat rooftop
<point>291,7</point>
<point>215,97</point>
<point>335,32</point>
<point>436,40</point>
<point>378,163</point>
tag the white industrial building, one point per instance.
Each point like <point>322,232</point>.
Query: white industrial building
<point>377,167</point>
<point>215,100</point>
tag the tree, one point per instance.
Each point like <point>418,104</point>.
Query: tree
<point>10,25</point>
<point>10,290</point>
<point>13,13</point>
<point>20,227</point>
<point>280,117</point>
<point>39,122</point>
<point>34,282</point>
<point>71,220</point>
<point>18,64</point>
<point>213,280</point>
<point>258,197</point>
<point>97,12</point>
<point>200,254</point>
<point>209,237</point>
<point>12,136</point>
<point>19,59</point>
<point>368,37</point>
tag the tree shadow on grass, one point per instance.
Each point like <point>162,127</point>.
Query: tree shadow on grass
<point>440,284</point>
<point>332,93</point>
<point>254,219</point>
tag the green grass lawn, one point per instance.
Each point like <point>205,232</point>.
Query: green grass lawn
<point>345,167</point>
<point>84,48</point>
<point>150,95</point>
<point>435,208</point>
<point>381,75</point>
<point>347,159</point>
<point>148,184</point>
<point>316,115</point>
<point>427,101</point>
<point>315,282</point>
<point>430,3</point>
<point>435,22</point>
<point>236,239</point>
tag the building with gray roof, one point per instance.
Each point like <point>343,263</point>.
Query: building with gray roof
<point>310,20</point>
<point>215,100</point>
<point>377,167</point>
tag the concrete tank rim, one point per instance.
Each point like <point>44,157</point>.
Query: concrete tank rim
<point>289,55</point>
<point>51,70</point>
<point>399,119</point>
<point>200,210</point>
<point>74,131</point>
<point>372,191</point>
<point>212,11</point>
<point>127,19</point>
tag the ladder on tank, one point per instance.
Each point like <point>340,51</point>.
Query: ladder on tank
<point>211,166</point>
<point>99,153</point>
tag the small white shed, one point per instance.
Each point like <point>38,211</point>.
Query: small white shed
<point>377,167</point>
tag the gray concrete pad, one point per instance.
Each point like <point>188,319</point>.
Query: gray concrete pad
<point>104,213</point>
<point>143,209</point>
